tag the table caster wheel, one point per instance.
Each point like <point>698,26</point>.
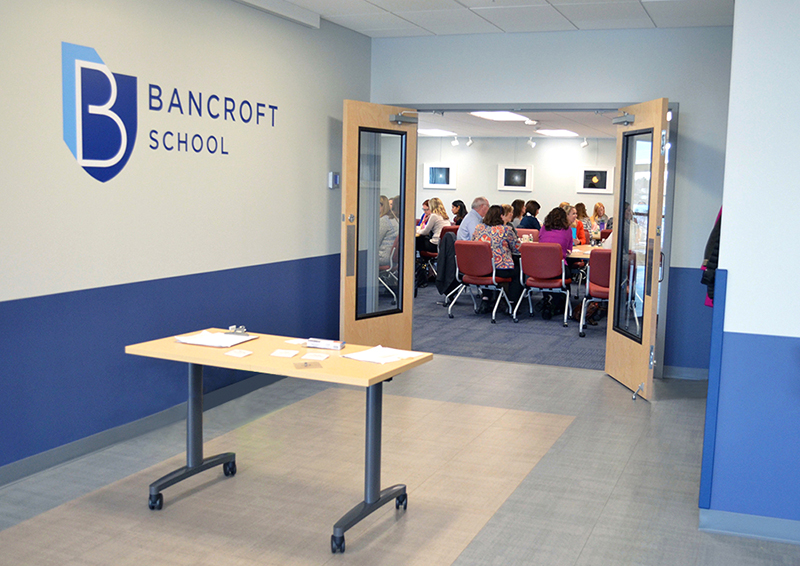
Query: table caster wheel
<point>337,544</point>
<point>156,502</point>
<point>229,468</point>
<point>401,500</point>
<point>516,319</point>
<point>451,315</point>
<point>582,334</point>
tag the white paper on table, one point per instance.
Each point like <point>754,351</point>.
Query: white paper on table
<point>297,341</point>
<point>215,339</point>
<point>238,353</point>
<point>381,355</point>
<point>284,353</point>
<point>315,356</point>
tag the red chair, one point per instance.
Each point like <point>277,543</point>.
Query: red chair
<point>528,232</point>
<point>597,282</point>
<point>446,229</point>
<point>542,268</point>
<point>605,233</point>
<point>475,266</point>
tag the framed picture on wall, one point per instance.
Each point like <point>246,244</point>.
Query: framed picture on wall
<point>439,176</point>
<point>515,178</point>
<point>597,181</point>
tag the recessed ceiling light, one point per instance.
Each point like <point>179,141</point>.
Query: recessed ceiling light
<point>500,116</point>
<point>558,133</point>
<point>433,132</point>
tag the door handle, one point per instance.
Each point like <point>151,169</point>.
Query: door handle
<point>351,250</point>
<point>661,268</point>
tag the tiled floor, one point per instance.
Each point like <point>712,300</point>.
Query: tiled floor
<point>618,486</point>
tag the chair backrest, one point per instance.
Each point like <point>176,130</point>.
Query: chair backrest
<point>446,229</point>
<point>542,260</point>
<point>600,267</point>
<point>395,251</point>
<point>528,232</point>
<point>474,258</point>
<point>605,233</point>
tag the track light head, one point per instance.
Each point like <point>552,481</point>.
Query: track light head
<point>455,141</point>
<point>584,144</point>
<point>470,142</point>
<point>531,143</point>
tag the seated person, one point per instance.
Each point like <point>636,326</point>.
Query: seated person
<point>579,236</point>
<point>467,227</point>
<point>556,230</point>
<point>388,228</point>
<point>428,235</point>
<point>459,210</point>
<point>529,221</point>
<point>519,212</point>
<point>599,218</point>
<point>503,241</point>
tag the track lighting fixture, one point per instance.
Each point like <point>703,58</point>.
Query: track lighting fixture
<point>531,143</point>
<point>584,144</point>
<point>470,142</point>
<point>455,141</point>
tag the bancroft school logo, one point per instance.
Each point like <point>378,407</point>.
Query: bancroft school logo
<point>100,114</point>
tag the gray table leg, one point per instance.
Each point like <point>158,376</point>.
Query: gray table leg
<point>195,463</point>
<point>374,498</point>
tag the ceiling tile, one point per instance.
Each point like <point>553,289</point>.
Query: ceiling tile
<point>326,8</point>
<point>618,15</point>
<point>450,22</point>
<point>679,13</point>
<point>417,5</point>
<point>501,3</point>
<point>526,18</point>
<point>377,21</point>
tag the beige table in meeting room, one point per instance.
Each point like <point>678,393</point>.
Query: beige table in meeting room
<point>334,369</point>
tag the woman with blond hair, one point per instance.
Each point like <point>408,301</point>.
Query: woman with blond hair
<point>388,228</point>
<point>428,235</point>
<point>599,217</point>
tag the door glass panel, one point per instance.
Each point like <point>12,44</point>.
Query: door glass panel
<point>630,234</point>
<point>381,182</point>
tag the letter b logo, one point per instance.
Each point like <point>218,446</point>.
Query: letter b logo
<point>100,115</point>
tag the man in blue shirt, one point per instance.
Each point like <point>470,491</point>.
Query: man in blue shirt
<point>467,227</point>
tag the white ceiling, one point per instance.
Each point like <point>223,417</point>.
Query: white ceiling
<point>592,124</point>
<point>406,18</point>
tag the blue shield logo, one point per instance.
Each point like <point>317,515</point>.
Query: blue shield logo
<point>100,114</point>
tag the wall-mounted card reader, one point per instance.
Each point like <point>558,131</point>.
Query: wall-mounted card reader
<point>334,180</point>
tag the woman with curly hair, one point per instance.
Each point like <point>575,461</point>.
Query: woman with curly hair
<point>503,240</point>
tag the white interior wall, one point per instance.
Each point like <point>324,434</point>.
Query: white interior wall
<point>558,166</point>
<point>759,171</point>
<point>690,66</point>
<point>171,213</point>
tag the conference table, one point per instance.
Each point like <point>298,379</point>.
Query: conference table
<point>266,353</point>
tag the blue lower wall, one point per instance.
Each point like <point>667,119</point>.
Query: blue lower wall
<point>65,375</point>
<point>688,332</point>
<point>756,458</point>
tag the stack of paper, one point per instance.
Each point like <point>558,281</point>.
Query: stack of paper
<point>381,355</point>
<point>215,339</point>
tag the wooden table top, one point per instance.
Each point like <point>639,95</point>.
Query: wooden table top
<point>334,369</point>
